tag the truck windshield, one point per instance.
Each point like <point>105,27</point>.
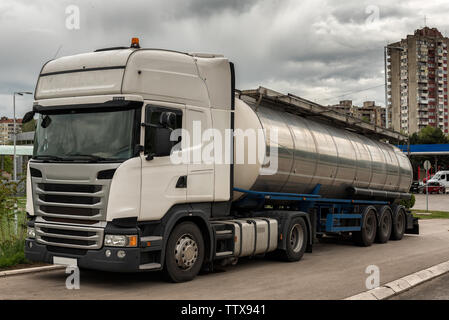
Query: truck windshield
<point>77,135</point>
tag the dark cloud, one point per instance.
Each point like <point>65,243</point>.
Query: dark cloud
<point>318,49</point>
<point>214,7</point>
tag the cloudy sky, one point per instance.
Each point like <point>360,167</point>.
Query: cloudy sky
<point>322,50</point>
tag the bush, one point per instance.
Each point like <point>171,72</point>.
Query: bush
<point>12,225</point>
<point>409,203</point>
<point>12,253</point>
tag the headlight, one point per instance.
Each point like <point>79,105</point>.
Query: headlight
<point>31,233</point>
<point>111,240</point>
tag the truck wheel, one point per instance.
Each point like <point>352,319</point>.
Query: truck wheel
<point>398,225</point>
<point>296,239</point>
<point>184,254</point>
<point>366,236</point>
<point>385,225</point>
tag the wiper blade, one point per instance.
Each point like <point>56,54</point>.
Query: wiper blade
<point>48,157</point>
<point>85,156</point>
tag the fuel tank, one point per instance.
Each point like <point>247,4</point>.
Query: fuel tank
<point>311,153</point>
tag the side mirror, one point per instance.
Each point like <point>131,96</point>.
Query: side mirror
<point>28,116</point>
<point>163,145</point>
<point>46,120</point>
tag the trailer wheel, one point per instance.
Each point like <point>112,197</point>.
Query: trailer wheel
<point>399,223</point>
<point>184,254</point>
<point>296,239</point>
<point>385,225</point>
<point>366,236</point>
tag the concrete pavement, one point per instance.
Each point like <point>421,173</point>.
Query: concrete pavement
<point>437,202</point>
<point>335,270</point>
<point>436,289</point>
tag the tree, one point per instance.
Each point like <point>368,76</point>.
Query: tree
<point>29,126</point>
<point>366,119</point>
<point>7,164</point>
<point>429,135</point>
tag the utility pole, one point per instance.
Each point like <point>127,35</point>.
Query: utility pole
<point>15,132</point>
<point>386,87</point>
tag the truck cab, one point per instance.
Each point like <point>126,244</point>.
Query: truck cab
<point>102,162</point>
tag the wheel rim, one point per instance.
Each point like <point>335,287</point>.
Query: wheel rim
<point>386,223</point>
<point>186,252</point>
<point>296,237</point>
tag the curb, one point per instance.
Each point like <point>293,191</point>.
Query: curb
<point>29,270</point>
<point>403,284</point>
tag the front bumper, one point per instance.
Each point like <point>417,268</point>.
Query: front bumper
<point>93,259</point>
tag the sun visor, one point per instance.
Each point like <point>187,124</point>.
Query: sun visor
<point>93,73</point>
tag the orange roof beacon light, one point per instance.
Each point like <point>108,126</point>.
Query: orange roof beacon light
<point>135,43</point>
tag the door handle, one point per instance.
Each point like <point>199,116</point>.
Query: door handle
<point>182,182</point>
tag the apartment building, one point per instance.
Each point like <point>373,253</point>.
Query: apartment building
<point>7,129</point>
<point>417,81</point>
<point>369,112</point>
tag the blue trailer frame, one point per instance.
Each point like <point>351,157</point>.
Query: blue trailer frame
<point>337,212</point>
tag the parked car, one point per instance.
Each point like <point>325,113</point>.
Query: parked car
<point>416,187</point>
<point>434,187</point>
<point>441,177</point>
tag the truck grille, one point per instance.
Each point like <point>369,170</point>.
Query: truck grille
<point>69,236</point>
<point>74,201</point>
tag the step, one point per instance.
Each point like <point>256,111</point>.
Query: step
<point>223,236</point>
<point>150,266</point>
<point>223,232</point>
<point>224,254</point>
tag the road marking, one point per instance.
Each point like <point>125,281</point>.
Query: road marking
<point>403,284</point>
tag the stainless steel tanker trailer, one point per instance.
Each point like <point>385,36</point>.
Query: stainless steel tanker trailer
<point>106,189</point>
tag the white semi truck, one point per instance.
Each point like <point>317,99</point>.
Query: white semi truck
<point>106,189</point>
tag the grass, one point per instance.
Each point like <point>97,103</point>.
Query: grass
<point>12,237</point>
<point>434,214</point>
<point>12,253</point>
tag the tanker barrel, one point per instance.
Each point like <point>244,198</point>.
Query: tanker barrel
<point>311,153</point>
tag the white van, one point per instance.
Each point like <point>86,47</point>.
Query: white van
<point>442,177</point>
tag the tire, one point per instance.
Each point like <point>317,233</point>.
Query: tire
<point>367,235</point>
<point>184,254</point>
<point>385,225</point>
<point>399,223</point>
<point>297,239</point>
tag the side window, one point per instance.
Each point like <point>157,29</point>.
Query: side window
<point>158,129</point>
<point>443,177</point>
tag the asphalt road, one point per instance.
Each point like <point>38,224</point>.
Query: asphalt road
<point>436,289</point>
<point>335,270</point>
<point>437,202</point>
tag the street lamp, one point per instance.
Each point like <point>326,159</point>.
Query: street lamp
<point>20,93</point>
<point>386,81</point>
